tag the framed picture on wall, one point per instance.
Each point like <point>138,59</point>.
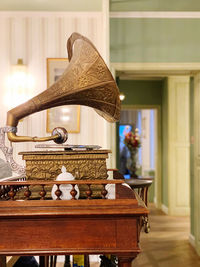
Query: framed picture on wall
<point>63,116</point>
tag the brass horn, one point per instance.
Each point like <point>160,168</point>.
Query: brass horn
<point>86,81</point>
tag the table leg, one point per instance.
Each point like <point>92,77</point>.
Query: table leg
<point>67,261</point>
<point>44,261</point>
<point>3,261</point>
<point>55,261</point>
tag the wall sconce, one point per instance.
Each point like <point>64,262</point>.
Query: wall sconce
<point>121,96</point>
<point>19,85</point>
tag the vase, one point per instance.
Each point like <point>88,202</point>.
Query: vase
<point>132,166</point>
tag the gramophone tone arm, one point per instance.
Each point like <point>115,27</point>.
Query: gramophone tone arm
<point>59,136</point>
<point>15,138</point>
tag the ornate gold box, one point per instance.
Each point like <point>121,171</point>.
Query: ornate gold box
<point>83,164</point>
<point>46,165</point>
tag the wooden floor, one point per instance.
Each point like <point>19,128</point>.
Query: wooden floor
<point>167,243</point>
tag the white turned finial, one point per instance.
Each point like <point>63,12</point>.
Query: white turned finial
<point>63,169</point>
<point>64,188</point>
<point>64,175</point>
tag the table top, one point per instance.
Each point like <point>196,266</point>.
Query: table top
<point>136,183</point>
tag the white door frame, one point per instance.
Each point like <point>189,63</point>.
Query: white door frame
<point>197,162</point>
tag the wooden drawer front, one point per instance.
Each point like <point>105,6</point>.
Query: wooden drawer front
<point>63,234</point>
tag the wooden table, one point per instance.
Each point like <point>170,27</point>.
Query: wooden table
<point>69,227</point>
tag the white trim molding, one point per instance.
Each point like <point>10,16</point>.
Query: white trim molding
<point>156,66</point>
<point>156,15</point>
<point>164,209</point>
<point>192,240</point>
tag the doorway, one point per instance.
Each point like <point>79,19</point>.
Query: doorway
<point>141,109</point>
<point>142,121</point>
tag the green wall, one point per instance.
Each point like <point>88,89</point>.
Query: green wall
<point>154,40</point>
<point>192,156</point>
<point>51,5</point>
<point>155,5</point>
<point>164,147</point>
<point>141,92</point>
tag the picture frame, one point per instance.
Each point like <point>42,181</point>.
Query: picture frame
<point>67,116</point>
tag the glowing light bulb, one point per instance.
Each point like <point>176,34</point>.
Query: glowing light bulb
<point>122,96</point>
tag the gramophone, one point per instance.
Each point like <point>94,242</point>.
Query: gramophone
<point>86,81</point>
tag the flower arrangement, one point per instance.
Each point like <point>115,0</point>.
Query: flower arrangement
<point>132,140</point>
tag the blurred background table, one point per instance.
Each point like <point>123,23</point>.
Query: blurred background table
<point>141,185</point>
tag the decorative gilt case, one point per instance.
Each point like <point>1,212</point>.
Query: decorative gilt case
<point>46,165</point>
